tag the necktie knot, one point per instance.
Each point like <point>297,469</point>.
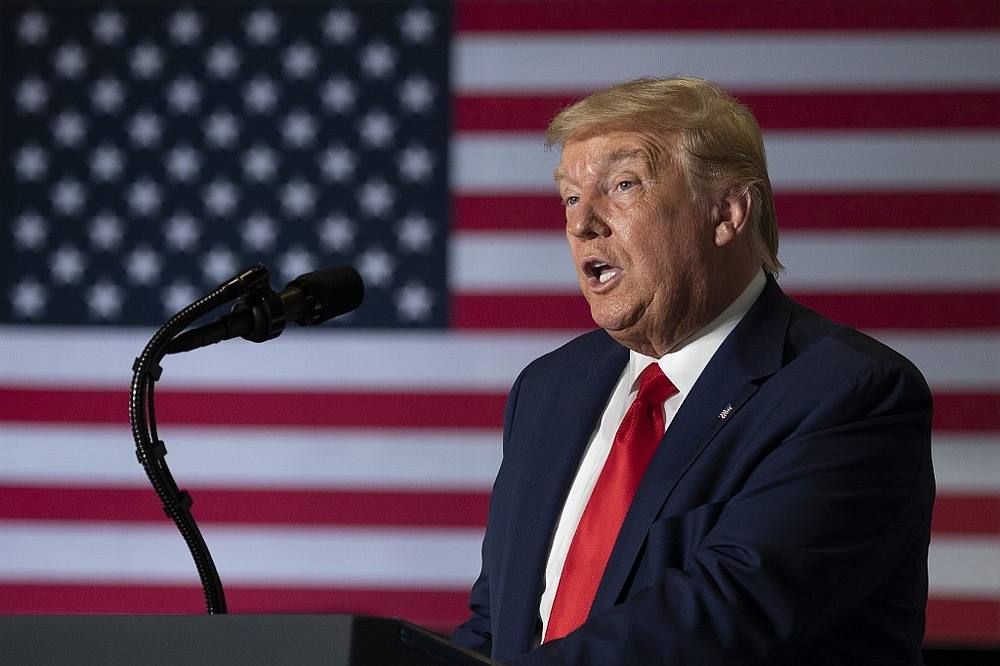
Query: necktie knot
<point>654,387</point>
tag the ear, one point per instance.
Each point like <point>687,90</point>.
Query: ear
<point>732,214</point>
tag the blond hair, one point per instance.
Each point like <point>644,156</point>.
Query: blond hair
<point>721,148</point>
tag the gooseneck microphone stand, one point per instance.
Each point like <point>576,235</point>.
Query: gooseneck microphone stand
<point>150,449</point>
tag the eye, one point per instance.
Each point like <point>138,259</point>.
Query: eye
<point>625,185</point>
<point>571,200</point>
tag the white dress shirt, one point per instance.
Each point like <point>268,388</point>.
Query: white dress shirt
<point>682,366</point>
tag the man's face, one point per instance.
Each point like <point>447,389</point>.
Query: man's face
<point>643,250</point>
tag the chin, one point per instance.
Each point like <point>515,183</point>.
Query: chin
<point>613,317</point>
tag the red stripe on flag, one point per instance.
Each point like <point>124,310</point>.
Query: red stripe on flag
<point>245,505</point>
<point>944,210</point>
<point>441,608</point>
<point>960,620</point>
<point>956,109</point>
<point>656,15</point>
<point>520,311</point>
<point>966,514</point>
<point>916,310</point>
<point>910,310</point>
<point>967,412</point>
<point>953,513</point>
<point>259,408</point>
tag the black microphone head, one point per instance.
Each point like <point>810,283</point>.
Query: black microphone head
<point>333,292</point>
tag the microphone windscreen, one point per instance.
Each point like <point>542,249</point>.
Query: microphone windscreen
<point>336,291</point>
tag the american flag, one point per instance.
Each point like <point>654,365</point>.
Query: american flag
<point>149,151</point>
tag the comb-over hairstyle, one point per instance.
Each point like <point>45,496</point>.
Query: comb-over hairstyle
<point>718,141</point>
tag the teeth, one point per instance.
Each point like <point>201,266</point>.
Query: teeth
<point>605,276</point>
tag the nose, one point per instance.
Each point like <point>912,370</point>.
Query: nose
<point>586,221</point>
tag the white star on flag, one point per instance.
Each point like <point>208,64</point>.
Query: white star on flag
<point>223,60</point>
<point>298,198</point>
<point>299,60</point>
<point>109,26</point>
<point>222,128</point>
<point>221,197</point>
<point>107,95</point>
<point>144,197</point>
<point>414,301</point>
<point>183,163</point>
<point>259,232</point>
<point>70,60</point>
<point>68,128</point>
<point>104,299</point>
<point>32,27</point>
<point>339,26</point>
<point>67,265</point>
<point>30,231</point>
<point>338,94</point>
<point>105,231</point>
<point>32,95</point>
<point>145,129</point>
<point>31,163</point>
<point>378,60</point>
<point>29,298</point>
<point>336,233</point>
<point>376,267</point>
<point>416,94</point>
<point>182,232</point>
<point>143,265</point>
<point>146,61</point>
<point>376,198</point>
<point>185,27</point>
<point>219,264</point>
<point>260,163</point>
<point>262,27</point>
<point>68,196</point>
<point>417,25</point>
<point>184,95</point>
<point>295,262</point>
<point>106,162</point>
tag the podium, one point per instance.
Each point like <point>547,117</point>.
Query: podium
<point>155,640</point>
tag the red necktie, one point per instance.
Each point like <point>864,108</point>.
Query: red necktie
<point>635,442</point>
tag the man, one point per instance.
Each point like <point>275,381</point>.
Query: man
<point>784,516</point>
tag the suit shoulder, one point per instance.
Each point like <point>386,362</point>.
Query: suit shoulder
<point>842,352</point>
<point>575,353</point>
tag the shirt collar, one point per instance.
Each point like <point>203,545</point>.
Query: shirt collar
<point>684,365</point>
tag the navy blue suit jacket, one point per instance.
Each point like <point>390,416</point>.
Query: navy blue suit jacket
<point>784,519</point>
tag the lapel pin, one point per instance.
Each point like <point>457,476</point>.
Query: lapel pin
<point>725,412</point>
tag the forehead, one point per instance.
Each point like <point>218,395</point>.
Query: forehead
<point>594,154</point>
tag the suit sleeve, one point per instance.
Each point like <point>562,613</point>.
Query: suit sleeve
<point>828,513</point>
<point>476,632</point>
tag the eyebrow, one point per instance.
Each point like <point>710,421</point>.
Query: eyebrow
<point>619,155</point>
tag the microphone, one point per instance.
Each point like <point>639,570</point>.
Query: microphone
<point>308,300</point>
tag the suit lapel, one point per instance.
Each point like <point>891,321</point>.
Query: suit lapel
<point>752,352</point>
<point>558,443</point>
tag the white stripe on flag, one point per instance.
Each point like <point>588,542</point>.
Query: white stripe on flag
<point>486,362</point>
<point>967,464</point>
<point>301,358</point>
<point>491,63</point>
<point>292,458</point>
<point>489,362</point>
<point>316,556</point>
<point>113,552</point>
<point>304,459</point>
<point>965,566</point>
<point>868,261</point>
<point>818,160</point>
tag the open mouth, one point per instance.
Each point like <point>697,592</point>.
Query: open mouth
<point>600,272</point>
